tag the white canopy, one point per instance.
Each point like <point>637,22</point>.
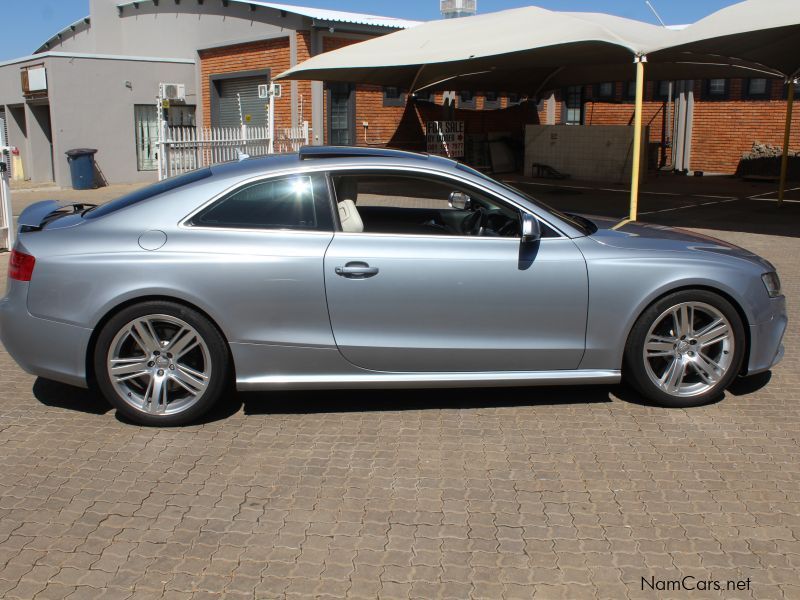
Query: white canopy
<point>514,50</point>
<point>532,48</point>
<point>759,32</point>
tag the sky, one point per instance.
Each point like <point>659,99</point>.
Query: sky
<point>26,24</point>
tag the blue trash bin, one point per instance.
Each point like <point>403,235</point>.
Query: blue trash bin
<point>81,167</point>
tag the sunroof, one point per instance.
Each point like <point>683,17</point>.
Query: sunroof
<point>307,152</point>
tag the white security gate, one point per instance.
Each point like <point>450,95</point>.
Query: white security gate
<point>183,149</point>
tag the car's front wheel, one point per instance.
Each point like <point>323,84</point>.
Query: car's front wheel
<point>161,363</point>
<point>685,349</point>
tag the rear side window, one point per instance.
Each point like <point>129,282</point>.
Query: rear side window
<point>299,202</point>
<point>173,183</point>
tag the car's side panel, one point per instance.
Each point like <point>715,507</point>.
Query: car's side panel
<point>42,347</point>
<point>259,287</point>
<point>458,304</point>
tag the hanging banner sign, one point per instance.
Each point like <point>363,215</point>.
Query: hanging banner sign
<point>445,138</point>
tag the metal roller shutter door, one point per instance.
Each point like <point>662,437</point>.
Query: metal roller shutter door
<point>247,90</point>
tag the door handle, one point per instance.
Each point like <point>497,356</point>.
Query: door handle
<point>356,270</point>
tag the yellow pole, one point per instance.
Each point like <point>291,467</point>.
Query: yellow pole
<point>637,137</point>
<point>786,132</point>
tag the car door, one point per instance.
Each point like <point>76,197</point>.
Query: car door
<point>413,300</point>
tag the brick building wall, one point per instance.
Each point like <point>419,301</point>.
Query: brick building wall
<point>724,129</point>
<point>269,54</point>
<point>620,111</point>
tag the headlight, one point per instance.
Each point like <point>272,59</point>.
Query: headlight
<point>773,284</point>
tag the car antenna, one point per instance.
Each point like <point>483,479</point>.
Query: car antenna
<point>655,12</point>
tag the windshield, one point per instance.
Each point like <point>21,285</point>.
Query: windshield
<point>147,192</point>
<point>579,223</point>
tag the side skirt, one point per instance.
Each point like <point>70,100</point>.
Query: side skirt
<point>423,380</point>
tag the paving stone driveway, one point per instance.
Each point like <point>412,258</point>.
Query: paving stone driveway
<point>542,493</point>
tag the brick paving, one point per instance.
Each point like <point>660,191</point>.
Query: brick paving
<point>543,493</point>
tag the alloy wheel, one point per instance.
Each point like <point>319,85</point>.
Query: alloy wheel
<point>689,349</point>
<point>159,364</point>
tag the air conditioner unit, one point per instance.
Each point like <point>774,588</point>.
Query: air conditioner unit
<point>174,92</point>
<point>34,80</point>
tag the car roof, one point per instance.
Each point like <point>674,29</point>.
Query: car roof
<point>333,155</point>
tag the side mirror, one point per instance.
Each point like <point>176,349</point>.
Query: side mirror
<point>460,201</point>
<point>531,229</point>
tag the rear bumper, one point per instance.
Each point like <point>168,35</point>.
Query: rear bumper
<point>766,339</point>
<point>41,347</point>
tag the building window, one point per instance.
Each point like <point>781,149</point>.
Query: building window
<point>573,105</point>
<point>604,91</point>
<point>145,121</point>
<point>341,115</point>
<point>629,91</point>
<point>716,89</point>
<point>757,87</point>
<point>466,99</point>
<point>393,96</point>
<point>491,101</point>
<point>661,91</point>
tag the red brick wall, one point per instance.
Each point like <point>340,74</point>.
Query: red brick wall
<point>268,54</point>
<point>724,129</point>
<point>619,111</point>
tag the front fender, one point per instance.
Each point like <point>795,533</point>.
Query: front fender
<point>621,288</point>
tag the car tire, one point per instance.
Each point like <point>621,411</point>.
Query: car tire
<point>685,349</point>
<point>161,363</point>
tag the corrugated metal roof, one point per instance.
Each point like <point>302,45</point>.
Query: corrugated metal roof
<point>319,14</point>
<point>51,54</point>
<point>323,14</point>
<point>72,28</point>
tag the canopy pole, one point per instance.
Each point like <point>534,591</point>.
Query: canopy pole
<point>637,137</point>
<point>786,133</point>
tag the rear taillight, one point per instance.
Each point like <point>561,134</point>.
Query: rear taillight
<point>20,266</point>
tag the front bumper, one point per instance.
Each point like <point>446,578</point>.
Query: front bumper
<point>766,347</point>
<point>49,349</point>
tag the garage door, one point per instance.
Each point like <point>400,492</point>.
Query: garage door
<point>246,89</point>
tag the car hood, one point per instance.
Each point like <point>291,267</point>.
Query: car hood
<point>647,236</point>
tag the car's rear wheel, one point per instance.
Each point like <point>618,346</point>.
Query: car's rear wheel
<point>685,349</point>
<point>161,363</point>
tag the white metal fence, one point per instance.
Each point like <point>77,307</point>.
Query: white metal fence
<point>6,216</point>
<point>183,149</point>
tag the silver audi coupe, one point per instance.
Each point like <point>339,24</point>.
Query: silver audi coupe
<point>353,267</point>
